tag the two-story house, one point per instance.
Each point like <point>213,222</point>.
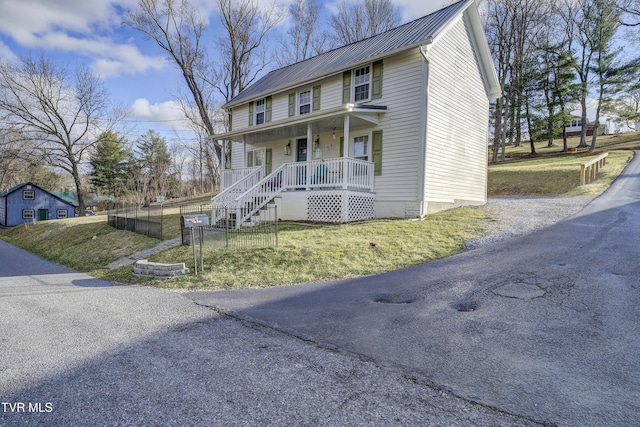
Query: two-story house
<point>395,125</point>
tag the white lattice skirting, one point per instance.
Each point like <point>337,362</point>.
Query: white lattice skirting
<point>340,206</point>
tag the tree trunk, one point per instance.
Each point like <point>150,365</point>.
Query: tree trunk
<point>528,114</point>
<point>583,131</point>
<point>76,179</point>
<point>595,130</point>
<point>497,130</point>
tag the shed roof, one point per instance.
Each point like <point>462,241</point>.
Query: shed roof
<point>411,34</point>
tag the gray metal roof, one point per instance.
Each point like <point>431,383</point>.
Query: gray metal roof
<point>345,57</point>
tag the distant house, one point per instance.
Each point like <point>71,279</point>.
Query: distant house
<point>370,129</point>
<point>574,128</point>
<point>27,203</point>
<point>609,125</point>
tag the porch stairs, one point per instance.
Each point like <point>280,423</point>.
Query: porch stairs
<point>242,204</point>
<point>338,190</point>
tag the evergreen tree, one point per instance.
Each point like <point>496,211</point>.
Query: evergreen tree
<point>109,166</point>
<point>154,160</point>
<point>605,60</point>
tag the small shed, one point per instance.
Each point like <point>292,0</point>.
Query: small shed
<point>28,202</point>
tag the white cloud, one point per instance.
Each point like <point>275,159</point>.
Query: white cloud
<point>166,114</point>
<point>6,54</point>
<point>414,9</point>
<point>80,27</point>
<point>410,9</point>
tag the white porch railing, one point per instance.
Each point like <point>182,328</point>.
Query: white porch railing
<point>244,179</point>
<point>249,203</point>
<point>230,177</point>
<point>341,173</point>
<point>345,172</point>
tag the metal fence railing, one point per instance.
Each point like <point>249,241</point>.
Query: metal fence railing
<point>260,232</point>
<point>145,220</point>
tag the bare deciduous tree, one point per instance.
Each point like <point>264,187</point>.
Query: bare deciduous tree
<point>356,21</point>
<point>178,28</point>
<point>302,40</point>
<point>242,48</point>
<point>60,115</point>
<point>514,28</point>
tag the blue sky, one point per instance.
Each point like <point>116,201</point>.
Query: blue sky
<point>133,69</point>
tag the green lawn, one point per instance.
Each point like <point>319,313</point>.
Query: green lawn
<point>553,176</point>
<point>323,252</point>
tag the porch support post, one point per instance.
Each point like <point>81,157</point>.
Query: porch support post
<point>223,167</point>
<point>309,154</point>
<point>244,150</point>
<point>345,153</point>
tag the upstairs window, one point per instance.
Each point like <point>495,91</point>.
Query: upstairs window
<point>304,102</point>
<point>260,110</point>
<point>362,83</point>
<point>28,195</point>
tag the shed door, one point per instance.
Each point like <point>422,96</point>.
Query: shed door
<point>43,214</point>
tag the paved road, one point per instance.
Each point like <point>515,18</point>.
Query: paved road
<point>543,329</point>
<point>77,351</point>
<point>546,327</point>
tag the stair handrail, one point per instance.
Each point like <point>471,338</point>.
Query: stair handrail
<point>226,197</point>
<point>252,200</point>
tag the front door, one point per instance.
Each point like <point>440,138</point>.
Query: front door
<point>43,214</point>
<point>302,150</point>
<point>301,170</point>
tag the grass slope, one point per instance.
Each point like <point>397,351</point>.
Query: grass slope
<point>320,253</point>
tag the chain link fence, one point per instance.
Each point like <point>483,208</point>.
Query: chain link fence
<point>145,220</point>
<point>261,232</point>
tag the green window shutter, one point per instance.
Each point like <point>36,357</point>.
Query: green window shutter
<point>346,87</point>
<point>292,104</point>
<point>376,152</point>
<point>316,98</point>
<point>249,159</point>
<point>251,114</point>
<point>267,109</point>
<point>268,161</point>
<point>342,146</point>
<point>376,81</point>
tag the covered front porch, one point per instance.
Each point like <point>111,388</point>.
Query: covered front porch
<point>311,167</point>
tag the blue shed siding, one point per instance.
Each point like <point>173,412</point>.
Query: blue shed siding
<point>13,205</point>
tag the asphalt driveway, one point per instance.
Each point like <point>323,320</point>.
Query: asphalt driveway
<point>546,327</point>
<point>78,351</point>
<point>538,330</point>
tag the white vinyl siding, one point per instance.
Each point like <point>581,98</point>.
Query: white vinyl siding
<point>400,124</point>
<point>331,93</point>
<point>237,156</point>
<point>240,117</point>
<point>280,108</point>
<point>456,151</point>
